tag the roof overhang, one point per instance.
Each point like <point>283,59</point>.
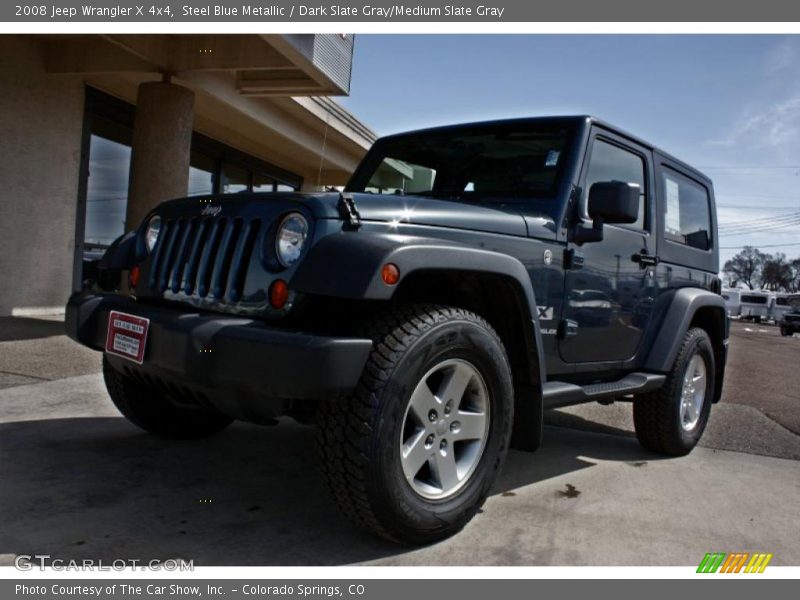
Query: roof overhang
<point>266,95</point>
<point>264,65</point>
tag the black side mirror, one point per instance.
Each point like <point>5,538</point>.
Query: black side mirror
<point>614,201</point>
<point>609,202</point>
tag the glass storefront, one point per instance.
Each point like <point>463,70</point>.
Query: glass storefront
<point>106,190</point>
<point>202,170</point>
<point>214,168</point>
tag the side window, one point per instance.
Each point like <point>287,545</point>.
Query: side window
<point>687,218</point>
<point>613,163</point>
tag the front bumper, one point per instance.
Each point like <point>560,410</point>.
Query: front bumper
<point>240,359</point>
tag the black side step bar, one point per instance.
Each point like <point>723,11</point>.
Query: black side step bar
<point>560,393</point>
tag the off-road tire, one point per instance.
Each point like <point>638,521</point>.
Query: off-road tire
<point>785,332</point>
<point>152,411</point>
<point>656,415</point>
<point>358,439</point>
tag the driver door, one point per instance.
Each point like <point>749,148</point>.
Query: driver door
<point>608,301</point>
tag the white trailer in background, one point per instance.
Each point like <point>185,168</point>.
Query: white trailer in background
<point>733,301</point>
<point>756,305</point>
<point>781,306</point>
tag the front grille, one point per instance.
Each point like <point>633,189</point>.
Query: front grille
<point>205,257</point>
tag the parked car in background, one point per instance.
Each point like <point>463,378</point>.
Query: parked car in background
<point>790,321</point>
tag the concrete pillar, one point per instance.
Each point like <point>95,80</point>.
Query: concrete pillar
<point>162,139</point>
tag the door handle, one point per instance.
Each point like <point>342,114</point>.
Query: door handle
<point>644,259</point>
<point>567,329</point>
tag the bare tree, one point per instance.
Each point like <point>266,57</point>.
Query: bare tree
<point>776,273</point>
<point>794,265</point>
<point>745,267</point>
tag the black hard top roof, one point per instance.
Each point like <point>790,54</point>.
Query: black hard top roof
<point>575,120</point>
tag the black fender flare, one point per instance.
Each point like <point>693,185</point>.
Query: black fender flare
<point>684,306</point>
<point>121,254</point>
<point>348,265</point>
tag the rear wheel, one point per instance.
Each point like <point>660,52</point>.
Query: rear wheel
<point>672,419</point>
<point>412,455</point>
<point>152,411</point>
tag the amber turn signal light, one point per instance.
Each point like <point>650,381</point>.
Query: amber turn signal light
<point>278,294</point>
<point>133,277</point>
<point>390,274</point>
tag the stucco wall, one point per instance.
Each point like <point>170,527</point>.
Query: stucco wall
<point>40,134</point>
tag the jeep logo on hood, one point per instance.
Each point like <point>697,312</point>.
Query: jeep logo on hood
<point>212,210</point>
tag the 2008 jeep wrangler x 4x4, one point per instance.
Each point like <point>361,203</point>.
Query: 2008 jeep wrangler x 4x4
<point>467,278</point>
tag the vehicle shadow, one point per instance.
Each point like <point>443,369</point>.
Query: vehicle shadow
<point>97,488</point>
<point>13,329</point>
<point>558,418</point>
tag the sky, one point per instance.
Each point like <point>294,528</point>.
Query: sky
<point>728,105</point>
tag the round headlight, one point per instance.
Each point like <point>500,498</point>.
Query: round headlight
<point>151,233</point>
<point>290,238</point>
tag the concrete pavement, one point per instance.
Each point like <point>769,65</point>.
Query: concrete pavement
<point>33,350</point>
<point>731,427</point>
<point>79,481</point>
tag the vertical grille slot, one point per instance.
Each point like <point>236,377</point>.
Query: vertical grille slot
<point>241,259</point>
<point>162,258</point>
<point>169,253</point>
<point>158,251</point>
<point>208,257</point>
<point>193,262</point>
<point>222,265</point>
<point>189,230</point>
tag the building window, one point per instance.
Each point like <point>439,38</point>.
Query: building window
<point>105,173</point>
<point>107,184</point>
<point>261,183</point>
<point>238,172</point>
<point>202,174</point>
<point>234,179</point>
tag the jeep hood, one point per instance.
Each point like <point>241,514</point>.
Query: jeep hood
<point>507,219</point>
<point>498,218</point>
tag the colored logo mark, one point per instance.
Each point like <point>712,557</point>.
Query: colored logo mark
<point>736,562</point>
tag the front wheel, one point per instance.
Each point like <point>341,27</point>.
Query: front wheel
<point>672,419</point>
<point>785,332</point>
<point>412,455</point>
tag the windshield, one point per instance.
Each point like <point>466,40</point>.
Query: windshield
<point>501,161</point>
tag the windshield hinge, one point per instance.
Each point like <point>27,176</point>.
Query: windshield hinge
<point>349,211</point>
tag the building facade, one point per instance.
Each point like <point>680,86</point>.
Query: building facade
<point>95,130</point>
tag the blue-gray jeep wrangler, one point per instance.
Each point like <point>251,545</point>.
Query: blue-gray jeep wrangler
<point>467,278</point>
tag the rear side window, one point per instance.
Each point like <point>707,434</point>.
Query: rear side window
<point>687,218</point>
<point>613,163</point>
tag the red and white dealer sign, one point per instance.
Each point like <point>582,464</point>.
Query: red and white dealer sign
<point>127,335</point>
